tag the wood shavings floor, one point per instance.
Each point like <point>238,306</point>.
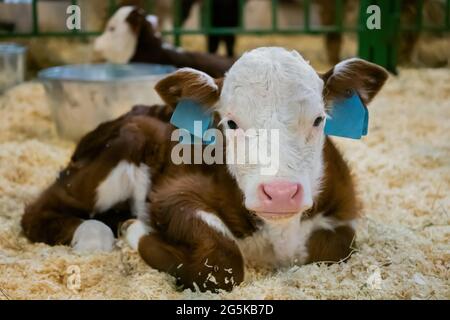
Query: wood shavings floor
<point>402,249</point>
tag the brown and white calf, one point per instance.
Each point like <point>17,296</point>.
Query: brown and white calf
<point>202,223</point>
<point>131,36</point>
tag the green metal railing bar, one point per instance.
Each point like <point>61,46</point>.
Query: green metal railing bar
<point>35,19</point>
<point>177,22</point>
<point>306,12</point>
<point>274,12</point>
<point>447,14</point>
<point>111,7</point>
<point>419,19</point>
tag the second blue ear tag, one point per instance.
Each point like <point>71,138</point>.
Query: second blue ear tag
<point>192,117</point>
<point>349,118</point>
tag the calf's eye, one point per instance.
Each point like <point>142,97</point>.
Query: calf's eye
<point>318,121</point>
<point>232,125</point>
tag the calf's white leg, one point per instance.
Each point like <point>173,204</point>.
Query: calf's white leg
<point>133,230</point>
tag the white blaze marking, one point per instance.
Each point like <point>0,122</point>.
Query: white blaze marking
<point>215,223</point>
<point>125,181</point>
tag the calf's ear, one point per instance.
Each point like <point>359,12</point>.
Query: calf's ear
<point>353,75</point>
<point>191,84</point>
<point>154,21</point>
<point>136,19</point>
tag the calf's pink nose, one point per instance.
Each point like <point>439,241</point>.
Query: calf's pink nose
<point>280,196</point>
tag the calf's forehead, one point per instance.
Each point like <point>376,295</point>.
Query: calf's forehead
<point>121,15</point>
<point>272,80</point>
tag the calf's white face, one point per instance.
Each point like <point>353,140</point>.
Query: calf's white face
<point>278,91</point>
<point>274,90</point>
<point>118,42</point>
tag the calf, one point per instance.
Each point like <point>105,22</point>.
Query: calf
<point>131,36</point>
<point>203,222</point>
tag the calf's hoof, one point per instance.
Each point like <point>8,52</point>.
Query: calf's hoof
<point>132,231</point>
<point>93,236</point>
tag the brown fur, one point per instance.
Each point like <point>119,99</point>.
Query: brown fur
<point>365,78</point>
<point>187,85</point>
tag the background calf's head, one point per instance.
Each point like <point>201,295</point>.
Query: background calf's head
<point>119,41</point>
<point>274,90</point>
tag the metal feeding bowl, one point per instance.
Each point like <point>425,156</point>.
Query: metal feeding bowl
<point>83,96</point>
<point>12,65</point>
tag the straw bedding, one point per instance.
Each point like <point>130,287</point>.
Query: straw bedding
<point>402,249</point>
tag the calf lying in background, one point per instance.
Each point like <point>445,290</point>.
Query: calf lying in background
<point>201,223</point>
<point>130,36</point>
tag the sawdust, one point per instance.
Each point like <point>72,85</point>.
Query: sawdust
<point>402,249</point>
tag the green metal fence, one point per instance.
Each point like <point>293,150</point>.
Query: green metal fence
<point>380,46</point>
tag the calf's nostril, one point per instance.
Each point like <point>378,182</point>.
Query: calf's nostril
<point>264,191</point>
<point>295,191</point>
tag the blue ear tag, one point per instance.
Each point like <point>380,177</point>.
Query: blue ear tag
<point>192,117</point>
<point>349,118</point>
